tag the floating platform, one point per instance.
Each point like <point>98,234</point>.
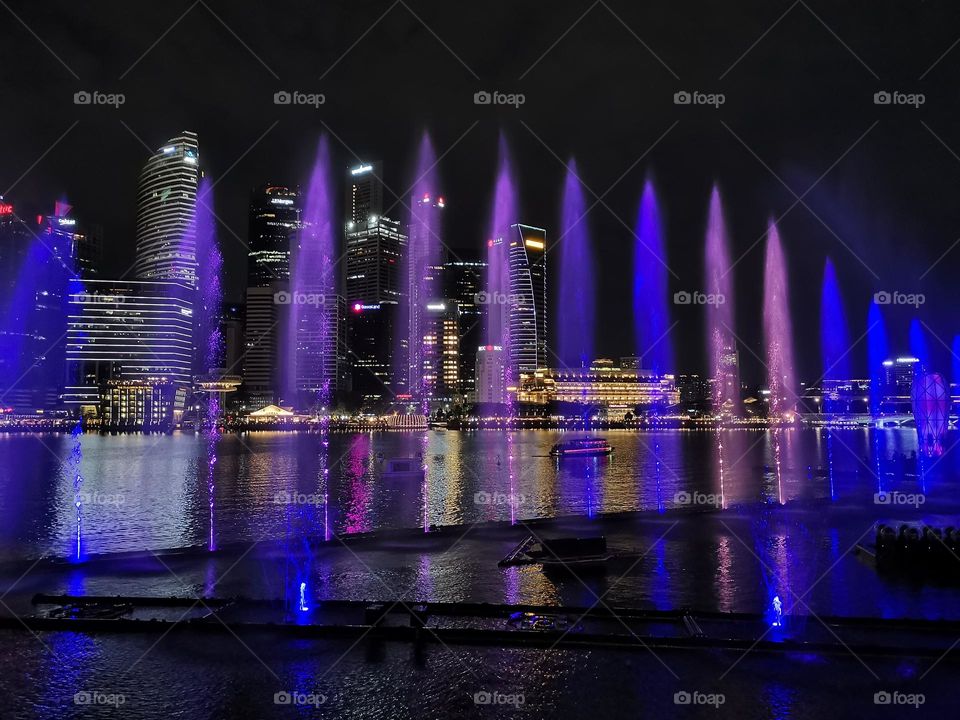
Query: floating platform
<point>489,624</point>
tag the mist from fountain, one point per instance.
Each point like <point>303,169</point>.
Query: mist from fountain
<point>576,290</point>
<point>721,340</point>
<point>834,335</point>
<point>313,288</point>
<point>503,214</point>
<point>650,286</point>
<point>878,351</point>
<point>919,347</point>
<point>778,328</point>
<point>210,335</point>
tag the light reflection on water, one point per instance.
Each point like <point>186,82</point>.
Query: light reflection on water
<point>150,491</point>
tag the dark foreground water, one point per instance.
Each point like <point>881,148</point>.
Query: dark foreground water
<point>154,491</point>
<point>796,505</point>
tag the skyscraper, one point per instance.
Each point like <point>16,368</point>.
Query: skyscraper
<point>364,192</point>
<point>167,195</point>
<point>464,279</point>
<point>274,220</point>
<point>491,379</point>
<point>527,304</point>
<point>374,251</point>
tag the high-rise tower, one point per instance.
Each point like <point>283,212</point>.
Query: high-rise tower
<point>166,248</point>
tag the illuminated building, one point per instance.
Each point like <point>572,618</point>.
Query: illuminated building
<point>423,285</point>
<point>374,251</point>
<point>141,404</point>
<point>166,197</point>
<point>127,330</point>
<point>491,374</point>
<point>464,281</point>
<point>694,393</point>
<point>898,377</point>
<point>441,350</point>
<point>274,218</point>
<point>527,306</point>
<point>321,355</point>
<point>604,384</point>
<point>371,330</point>
<point>83,245</point>
<point>364,192</point>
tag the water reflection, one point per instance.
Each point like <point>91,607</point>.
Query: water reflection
<point>151,491</point>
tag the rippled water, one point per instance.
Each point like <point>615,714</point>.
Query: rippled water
<point>151,491</point>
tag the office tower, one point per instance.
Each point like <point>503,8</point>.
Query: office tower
<point>82,243</point>
<point>263,329</point>
<point>373,262</point>
<point>464,281</point>
<point>274,219</point>
<point>441,351</point>
<point>34,274</point>
<point>425,256</point>
<point>167,195</point>
<point>232,321</point>
<point>364,193</point>
<point>130,331</point>
<point>371,330</point>
<point>491,374</point>
<point>527,303</point>
<point>321,362</point>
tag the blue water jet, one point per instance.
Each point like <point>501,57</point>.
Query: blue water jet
<point>650,286</point>
<point>834,336</point>
<point>576,290</point>
<point>878,351</point>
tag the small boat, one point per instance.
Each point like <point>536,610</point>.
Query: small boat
<point>398,467</point>
<point>560,553</point>
<point>582,447</point>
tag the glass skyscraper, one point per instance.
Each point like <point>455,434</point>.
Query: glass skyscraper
<point>166,248</point>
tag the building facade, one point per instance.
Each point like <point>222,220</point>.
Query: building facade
<point>166,198</point>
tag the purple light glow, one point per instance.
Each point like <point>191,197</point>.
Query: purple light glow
<point>576,291</point>
<point>778,328</point>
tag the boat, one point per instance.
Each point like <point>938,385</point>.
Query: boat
<point>582,447</point>
<point>560,553</point>
<point>406,466</point>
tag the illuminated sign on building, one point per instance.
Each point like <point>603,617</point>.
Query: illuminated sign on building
<point>361,169</point>
<point>6,209</point>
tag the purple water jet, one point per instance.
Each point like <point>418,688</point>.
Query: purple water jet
<point>721,340</point>
<point>498,296</point>
<point>312,297</point>
<point>424,255</point>
<point>650,314</point>
<point>778,329</point>
<point>210,335</point>
<point>576,291</point>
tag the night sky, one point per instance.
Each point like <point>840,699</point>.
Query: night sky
<point>599,80</point>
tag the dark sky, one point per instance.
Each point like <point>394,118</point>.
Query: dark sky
<point>797,100</point>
